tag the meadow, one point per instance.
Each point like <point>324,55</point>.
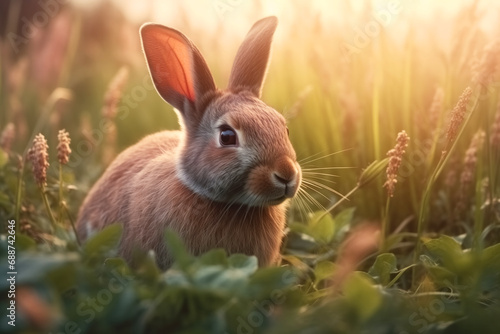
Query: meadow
<point>393,109</point>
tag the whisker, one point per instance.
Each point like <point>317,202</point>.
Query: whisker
<point>322,186</point>
<point>326,168</point>
<point>313,201</point>
<point>303,210</point>
<point>319,178</point>
<point>322,174</point>
<point>305,201</point>
<point>328,155</point>
<point>318,192</point>
<point>304,160</point>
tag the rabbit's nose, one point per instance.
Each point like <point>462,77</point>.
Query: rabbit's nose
<point>286,171</point>
<point>281,179</point>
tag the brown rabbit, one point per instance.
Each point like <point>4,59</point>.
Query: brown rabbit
<point>224,180</point>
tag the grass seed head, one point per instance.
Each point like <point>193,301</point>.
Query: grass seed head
<point>458,114</point>
<point>395,158</point>
<point>63,149</point>
<point>486,65</point>
<point>114,93</point>
<point>38,156</point>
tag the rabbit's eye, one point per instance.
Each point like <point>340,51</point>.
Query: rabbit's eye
<point>227,137</point>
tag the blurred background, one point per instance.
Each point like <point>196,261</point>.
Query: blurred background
<point>348,75</point>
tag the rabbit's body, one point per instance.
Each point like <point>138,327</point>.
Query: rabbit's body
<point>204,225</point>
<point>223,180</point>
<point>109,199</point>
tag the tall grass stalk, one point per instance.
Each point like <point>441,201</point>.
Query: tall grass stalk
<point>395,158</point>
<point>20,174</point>
<point>72,222</point>
<point>385,226</point>
<point>340,201</point>
<point>61,198</point>
<point>478,208</point>
<point>47,206</point>
<point>422,215</point>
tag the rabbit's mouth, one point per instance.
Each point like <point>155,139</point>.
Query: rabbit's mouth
<point>276,197</point>
<point>287,193</point>
<point>277,201</point>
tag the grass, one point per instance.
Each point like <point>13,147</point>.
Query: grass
<point>435,267</point>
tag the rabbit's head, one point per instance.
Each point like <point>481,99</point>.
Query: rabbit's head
<point>235,148</point>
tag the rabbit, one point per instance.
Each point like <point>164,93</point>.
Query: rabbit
<point>224,180</point>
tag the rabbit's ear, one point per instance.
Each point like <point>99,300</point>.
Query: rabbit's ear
<point>179,72</point>
<point>250,65</point>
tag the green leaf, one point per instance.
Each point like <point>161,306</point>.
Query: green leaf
<point>491,257</point>
<point>343,222</point>
<point>248,264</point>
<point>344,217</point>
<point>490,276</point>
<point>23,242</point>
<point>322,227</point>
<point>264,280</point>
<point>148,268</point>
<point>301,242</point>
<point>384,266</point>
<point>441,276</point>
<point>324,270</point>
<point>176,277</point>
<point>296,263</point>
<point>214,257</point>
<point>298,227</point>
<point>179,252</point>
<point>116,263</point>
<point>363,297</point>
<point>445,250</point>
<point>218,278</point>
<point>103,242</point>
<point>427,261</point>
